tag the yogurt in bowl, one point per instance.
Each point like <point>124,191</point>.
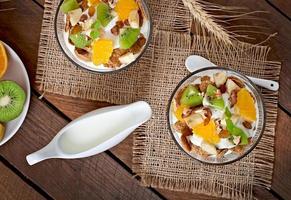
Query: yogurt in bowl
<point>103,36</point>
<point>216,115</point>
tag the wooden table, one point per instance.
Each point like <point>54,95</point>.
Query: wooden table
<point>108,175</point>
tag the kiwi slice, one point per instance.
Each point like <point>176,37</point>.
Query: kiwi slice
<point>103,14</point>
<point>69,5</point>
<point>128,37</point>
<point>12,99</point>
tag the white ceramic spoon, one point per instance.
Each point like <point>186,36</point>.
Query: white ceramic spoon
<point>94,132</point>
<point>195,62</point>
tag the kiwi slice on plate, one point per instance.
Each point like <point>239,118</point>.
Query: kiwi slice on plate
<point>12,99</point>
<point>128,37</point>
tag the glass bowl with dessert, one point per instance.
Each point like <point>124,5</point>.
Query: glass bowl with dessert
<point>103,35</point>
<point>216,115</point>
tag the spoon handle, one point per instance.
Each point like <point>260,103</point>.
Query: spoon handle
<point>268,84</point>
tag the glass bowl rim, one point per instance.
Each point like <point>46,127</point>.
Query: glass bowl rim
<point>116,70</point>
<point>224,69</point>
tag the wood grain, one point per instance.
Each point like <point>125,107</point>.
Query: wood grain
<point>13,188</point>
<point>283,5</point>
<point>97,177</point>
<point>282,171</point>
<point>20,29</point>
<point>25,42</point>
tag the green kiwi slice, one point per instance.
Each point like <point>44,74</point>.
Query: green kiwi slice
<point>103,14</point>
<point>128,37</point>
<point>69,5</point>
<point>12,99</point>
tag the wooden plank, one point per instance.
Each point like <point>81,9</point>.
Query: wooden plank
<point>68,104</point>
<point>281,177</point>
<point>14,188</point>
<point>97,177</point>
<point>17,39</point>
<point>20,28</point>
<point>282,5</point>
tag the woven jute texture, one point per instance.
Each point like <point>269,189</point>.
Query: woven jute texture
<point>156,158</point>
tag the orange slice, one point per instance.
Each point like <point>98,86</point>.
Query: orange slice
<point>208,132</point>
<point>102,50</point>
<point>179,112</point>
<point>93,2</point>
<point>3,60</point>
<point>124,7</point>
<point>245,105</point>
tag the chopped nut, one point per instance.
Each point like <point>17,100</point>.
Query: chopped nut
<point>76,29</point>
<point>126,22</point>
<point>233,98</point>
<point>238,149</point>
<point>140,18</point>
<point>91,11</point>
<point>247,125</point>
<point>68,23</point>
<point>119,24</point>
<point>185,143</point>
<point>83,54</point>
<point>205,78</point>
<point>114,58</point>
<point>221,153</point>
<point>237,81</point>
<point>205,81</point>
<point>182,128</point>
<point>136,47</point>
<point>115,30</point>
<point>83,18</point>
<point>208,115</point>
<point>223,134</point>
<point>84,5</point>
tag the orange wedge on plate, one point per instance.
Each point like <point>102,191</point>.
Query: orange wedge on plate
<point>3,60</point>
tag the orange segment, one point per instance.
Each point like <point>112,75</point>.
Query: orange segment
<point>102,50</point>
<point>124,7</point>
<point>179,112</point>
<point>245,105</point>
<point>3,60</point>
<point>208,132</point>
<point>93,2</point>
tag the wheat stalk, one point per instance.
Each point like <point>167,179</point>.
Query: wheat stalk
<point>207,21</point>
<point>219,25</point>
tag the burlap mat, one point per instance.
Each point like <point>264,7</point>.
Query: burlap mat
<point>156,159</point>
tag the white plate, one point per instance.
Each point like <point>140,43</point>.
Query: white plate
<point>16,72</point>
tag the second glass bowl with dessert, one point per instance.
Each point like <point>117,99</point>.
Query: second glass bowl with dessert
<point>103,36</point>
<point>216,115</point>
